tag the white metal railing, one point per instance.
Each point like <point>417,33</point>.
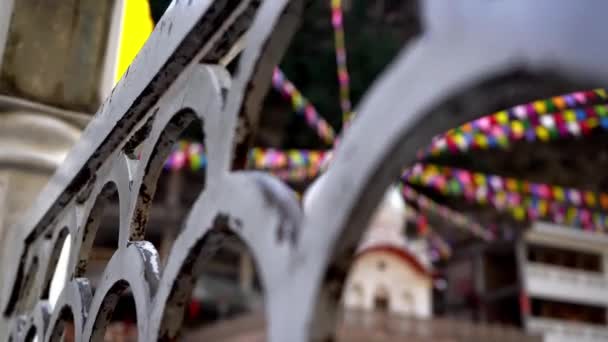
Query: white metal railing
<point>302,251</point>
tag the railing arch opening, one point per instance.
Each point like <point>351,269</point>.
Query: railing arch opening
<point>29,285</point>
<point>118,305</point>
<point>175,176</point>
<point>98,236</point>
<point>61,271</point>
<point>32,335</point>
<point>64,328</point>
<point>218,280</point>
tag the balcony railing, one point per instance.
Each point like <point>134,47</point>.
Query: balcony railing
<point>561,331</point>
<point>566,284</point>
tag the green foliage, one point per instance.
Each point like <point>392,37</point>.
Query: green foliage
<point>310,62</point>
<point>158,8</point>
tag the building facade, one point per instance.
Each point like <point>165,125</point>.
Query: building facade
<point>387,275</point>
<point>565,281</point>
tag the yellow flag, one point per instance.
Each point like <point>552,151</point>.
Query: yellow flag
<point>137,26</point>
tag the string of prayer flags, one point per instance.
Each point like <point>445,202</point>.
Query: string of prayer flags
<point>570,115</point>
<point>302,106</point>
<point>337,21</point>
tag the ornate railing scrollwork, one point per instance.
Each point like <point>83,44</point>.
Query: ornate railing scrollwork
<point>302,254</point>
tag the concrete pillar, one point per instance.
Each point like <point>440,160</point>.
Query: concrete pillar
<point>56,53</point>
<point>57,63</point>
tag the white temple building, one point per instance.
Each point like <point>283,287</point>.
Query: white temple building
<point>390,273</point>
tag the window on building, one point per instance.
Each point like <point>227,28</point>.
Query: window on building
<point>568,311</point>
<point>381,265</point>
<point>580,260</point>
<point>381,304</point>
